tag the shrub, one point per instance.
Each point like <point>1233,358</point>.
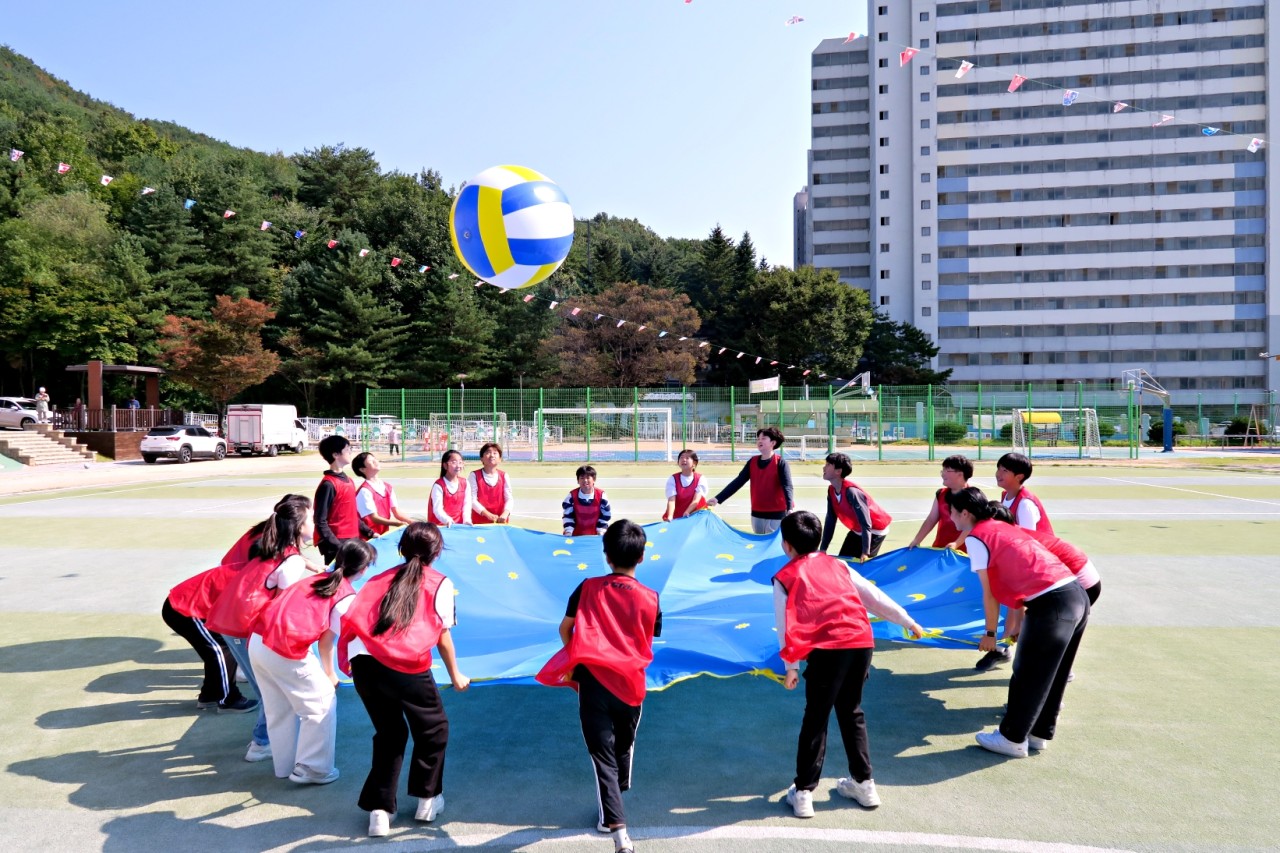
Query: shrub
<point>948,431</point>
<point>1156,434</point>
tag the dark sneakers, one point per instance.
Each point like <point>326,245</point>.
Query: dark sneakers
<point>993,659</point>
<point>243,705</point>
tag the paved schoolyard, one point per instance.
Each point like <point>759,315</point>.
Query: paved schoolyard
<point>1167,741</point>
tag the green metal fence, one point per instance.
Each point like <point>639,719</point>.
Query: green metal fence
<point>904,422</point>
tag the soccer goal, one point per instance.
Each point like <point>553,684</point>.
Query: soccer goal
<point>608,432</point>
<point>1057,432</point>
<point>466,430</point>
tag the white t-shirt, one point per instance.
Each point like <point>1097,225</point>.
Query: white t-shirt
<point>437,499</point>
<point>491,480</point>
<point>444,609</point>
<point>700,492</point>
<point>364,500</point>
<point>980,559</point>
<point>292,570</point>
<point>1028,512</point>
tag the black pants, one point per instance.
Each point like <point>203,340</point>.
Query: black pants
<point>852,546</point>
<point>400,704</point>
<point>1051,632</point>
<point>609,727</point>
<point>393,449</point>
<point>833,678</point>
<point>219,683</point>
<point>1093,592</point>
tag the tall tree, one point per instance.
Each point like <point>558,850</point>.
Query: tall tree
<point>222,356</point>
<point>899,354</point>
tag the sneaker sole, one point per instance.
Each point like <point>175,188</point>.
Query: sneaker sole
<point>222,710</point>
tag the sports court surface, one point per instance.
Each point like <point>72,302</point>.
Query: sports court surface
<point>1169,739</point>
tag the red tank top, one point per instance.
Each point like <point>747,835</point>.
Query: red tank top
<point>1017,565</point>
<point>194,596</point>
<point>612,637</point>
<point>453,503</point>
<point>344,519</point>
<point>239,552</point>
<point>492,498</point>
<point>586,515</point>
<point>298,617</point>
<point>1043,526</point>
<point>880,520</point>
<point>381,506</point>
<point>947,532</point>
<point>237,612</point>
<point>685,494</point>
<point>824,610</point>
<point>767,494</point>
<point>407,650</point>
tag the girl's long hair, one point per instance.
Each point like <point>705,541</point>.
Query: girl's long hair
<point>269,521</point>
<point>970,499</point>
<point>283,528</point>
<point>444,461</point>
<point>354,556</point>
<point>420,544</point>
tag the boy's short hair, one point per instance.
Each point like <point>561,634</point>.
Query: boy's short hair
<point>772,434</point>
<point>490,445</point>
<point>333,445</point>
<point>960,464</point>
<point>1015,463</point>
<point>624,544</point>
<point>692,454</point>
<point>357,464</point>
<point>802,531</point>
<point>841,462</point>
<point>584,471</point>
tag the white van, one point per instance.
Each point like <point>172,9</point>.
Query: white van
<point>265,428</point>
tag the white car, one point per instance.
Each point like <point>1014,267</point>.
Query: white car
<point>17,412</point>
<point>183,443</point>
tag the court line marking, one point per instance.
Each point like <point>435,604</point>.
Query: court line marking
<point>537,838</point>
<point>1190,491</point>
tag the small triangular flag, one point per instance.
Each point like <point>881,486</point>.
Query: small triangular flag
<point>227,214</point>
<point>722,349</point>
<point>574,312</point>
<point>852,37</point>
<point>703,344</point>
<point>1209,131</point>
<point>63,168</point>
<point>189,203</point>
<point>332,244</point>
<point>15,155</point>
<point>642,328</point>
<point>965,67</point>
<point>423,268</point>
<point>553,305</point>
<point>1255,145</point>
<point>1119,105</point>
<point>264,226</point>
<point>1069,97</point>
<point>298,235</point>
<point>758,359</point>
<point>741,354</point>
<point>529,298</point>
<point>621,323</point>
<point>906,56</point>
<point>147,190</point>
<point>1017,81</point>
<point>364,252</point>
<point>452,276</point>
<point>105,179</point>
<point>662,334</point>
<point>1164,119</point>
<point>395,262</point>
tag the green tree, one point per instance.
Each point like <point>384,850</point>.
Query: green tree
<point>899,354</point>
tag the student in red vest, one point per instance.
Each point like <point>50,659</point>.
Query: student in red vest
<point>608,632</point>
<point>821,606</point>
<point>375,499</point>
<point>586,512</point>
<point>184,612</point>
<point>297,688</point>
<point>1012,472</point>
<point>490,489</point>
<point>336,515</point>
<point>239,552</point>
<point>1019,573</point>
<point>956,472</point>
<point>851,506</point>
<point>1072,557</point>
<point>770,477</point>
<point>385,645</point>
<point>274,563</point>
<point>450,499</point>
<point>686,490</point>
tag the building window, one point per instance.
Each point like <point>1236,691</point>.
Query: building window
<point>926,231</point>
<point>884,142</point>
<point>925,123</point>
<point>925,204</point>
<point>924,97</point>
<point>924,16</point>
<point>926,258</point>
<point>924,151</point>
<point>924,71</point>
<point>884,274</point>
<point>883,89</point>
<point>927,284</point>
<point>926,311</point>
<point>883,63</point>
<point>884,195</point>
<point>884,247</point>
<point>884,115</point>
<point>882,37</point>
<point>884,220</point>
<point>924,177</point>
<point>884,300</point>
<point>883,10</point>
<point>884,168</point>
<point>924,43</point>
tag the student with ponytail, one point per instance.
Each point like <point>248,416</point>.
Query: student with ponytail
<point>297,688</point>
<point>385,645</point>
<point>450,498</point>
<point>1018,572</point>
<point>274,563</point>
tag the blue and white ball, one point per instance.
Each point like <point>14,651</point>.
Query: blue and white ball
<point>511,226</point>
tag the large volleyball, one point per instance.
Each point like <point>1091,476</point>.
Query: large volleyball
<point>511,226</point>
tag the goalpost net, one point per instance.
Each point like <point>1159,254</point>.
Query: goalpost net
<point>467,431</point>
<point>607,432</point>
<point>1057,432</point>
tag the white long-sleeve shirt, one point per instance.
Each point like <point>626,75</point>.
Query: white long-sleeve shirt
<point>508,505</point>
<point>437,500</point>
<point>873,598</point>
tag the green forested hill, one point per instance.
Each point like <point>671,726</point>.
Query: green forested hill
<point>89,270</point>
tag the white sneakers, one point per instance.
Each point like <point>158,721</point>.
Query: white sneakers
<point>379,823</point>
<point>996,742</point>
<point>1039,744</point>
<point>303,776</point>
<point>429,808</point>
<point>863,793</point>
<point>801,802</point>
<point>258,753</point>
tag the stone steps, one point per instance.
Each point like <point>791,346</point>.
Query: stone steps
<point>41,444</point>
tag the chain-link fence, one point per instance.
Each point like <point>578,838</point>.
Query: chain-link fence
<point>904,422</point>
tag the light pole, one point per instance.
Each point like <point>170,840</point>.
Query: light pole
<point>462,407</point>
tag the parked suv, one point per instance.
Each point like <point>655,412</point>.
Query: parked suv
<point>183,443</point>
<point>17,412</point>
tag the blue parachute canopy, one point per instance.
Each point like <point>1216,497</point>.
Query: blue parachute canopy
<point>714,584</point>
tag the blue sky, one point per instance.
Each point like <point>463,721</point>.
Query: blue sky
<point>679,115</point>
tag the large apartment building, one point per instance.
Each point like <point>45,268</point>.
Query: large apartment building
<point>1040,240</point>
